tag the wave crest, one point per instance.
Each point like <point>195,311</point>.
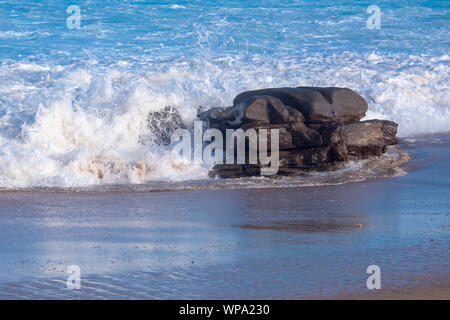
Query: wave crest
<point>84,123</point>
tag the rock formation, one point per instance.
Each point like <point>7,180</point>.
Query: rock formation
<point>317,127</point>
<point>163,123</point>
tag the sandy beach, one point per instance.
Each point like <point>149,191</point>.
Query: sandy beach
<point>432,290</point>
<point>265,243</point>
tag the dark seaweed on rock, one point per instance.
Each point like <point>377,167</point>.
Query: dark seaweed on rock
<point>318,127</point>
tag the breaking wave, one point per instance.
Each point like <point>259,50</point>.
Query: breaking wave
<point>84,124</point>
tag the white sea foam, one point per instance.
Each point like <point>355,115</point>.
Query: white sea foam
<point>85,124</point>
<point>15,34</point>
<point>177,6</point>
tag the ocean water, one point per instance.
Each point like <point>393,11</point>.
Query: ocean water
<point>74,102</point>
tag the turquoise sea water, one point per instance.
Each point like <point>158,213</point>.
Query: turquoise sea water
<point>74,101</point>
<point>168,30</point>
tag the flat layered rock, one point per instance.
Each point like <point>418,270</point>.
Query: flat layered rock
<point>318,127</point>
<point>361,139</point>
<point>292,136</point>
<point>290,162</point>
<point>285,137</point>
<point>305,158</point>
<point>371,132</point>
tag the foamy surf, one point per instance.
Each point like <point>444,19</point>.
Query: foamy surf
<point>85,124</point>
<point>389,164</point>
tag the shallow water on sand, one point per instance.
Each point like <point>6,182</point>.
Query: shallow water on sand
<point>232,243</point>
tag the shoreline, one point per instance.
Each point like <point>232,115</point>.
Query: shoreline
<point>404,148</point>
<point>251,243</point>
<point>370,169</point>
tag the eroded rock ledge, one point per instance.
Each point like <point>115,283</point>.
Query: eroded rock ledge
<point>317,127</point>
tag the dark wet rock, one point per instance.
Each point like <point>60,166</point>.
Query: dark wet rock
<point>285,137</point>
<point>363,152</point>
<point>339,151</point>
<point>318,105</point>
<point>216,114</point>
<point>295,116</point>
<point>255,109</point>
<point>291,135</point>
<point>318,127</point>
<point>372,132</point>
<point>291,162</point>
<point>304,158</point>
<point>163,123</point>
<point>361,139</point>
<point>227,171</point>
<point>303,136</point>
<point>218,118</point>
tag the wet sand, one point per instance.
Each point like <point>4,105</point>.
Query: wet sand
<point>432,290</point>
<point>280,243</point>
